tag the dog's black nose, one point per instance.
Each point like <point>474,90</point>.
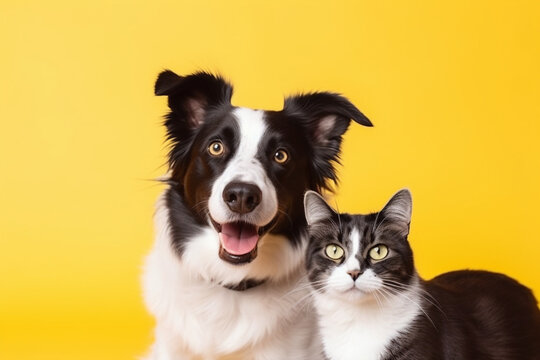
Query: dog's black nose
<point>242,197</point>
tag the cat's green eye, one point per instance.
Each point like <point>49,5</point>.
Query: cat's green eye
<point>334,252</point>
<point>378,252</point>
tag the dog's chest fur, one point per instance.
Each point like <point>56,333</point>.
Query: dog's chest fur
<point>200,319</point>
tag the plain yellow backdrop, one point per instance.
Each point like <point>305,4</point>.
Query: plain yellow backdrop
<point>453,88</point>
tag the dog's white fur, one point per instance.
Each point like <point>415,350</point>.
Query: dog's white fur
<point>198,318</point>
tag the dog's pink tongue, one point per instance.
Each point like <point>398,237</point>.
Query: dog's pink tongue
<point>238,238</point>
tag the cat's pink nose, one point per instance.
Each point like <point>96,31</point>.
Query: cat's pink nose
<point>354,274</point>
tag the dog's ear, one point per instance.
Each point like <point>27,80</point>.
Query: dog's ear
<point>326,117</point>
<point>191,96</point>
<point>328,114</point>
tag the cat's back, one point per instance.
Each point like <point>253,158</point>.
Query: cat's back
<point>479,285</point>
<point>499,316</point>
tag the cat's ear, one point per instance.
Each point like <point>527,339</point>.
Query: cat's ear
<point>316,208</point>
<point>192,95</point>
<point>325,117</point>
<point>396,214</point>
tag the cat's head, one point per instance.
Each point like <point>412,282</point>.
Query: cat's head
<point>359,257</point>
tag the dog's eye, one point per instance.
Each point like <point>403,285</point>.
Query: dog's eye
<point>216,148</point>
<point>281,156</point>
<point>334,252</point>
<point>378,252</point>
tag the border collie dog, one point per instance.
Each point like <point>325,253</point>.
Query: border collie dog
<point>225,278</point>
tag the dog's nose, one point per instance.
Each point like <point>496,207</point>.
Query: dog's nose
<point>242,197</point>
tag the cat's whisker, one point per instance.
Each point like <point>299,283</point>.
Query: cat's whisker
<point>378,291</point>
<point>302,301</point>
<point>303,286</point>
<point>412,301</point>
<point>298,290</point>
<point>379,303</point>
<point>419,291</point>
<point>388,293</point>
<point>314,286</point>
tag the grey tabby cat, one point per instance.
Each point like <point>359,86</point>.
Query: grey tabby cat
<point>372,305</point>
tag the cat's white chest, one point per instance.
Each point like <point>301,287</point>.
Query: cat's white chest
<point>362,332</point>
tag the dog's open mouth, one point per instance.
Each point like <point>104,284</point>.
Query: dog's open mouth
<point>238,242</point>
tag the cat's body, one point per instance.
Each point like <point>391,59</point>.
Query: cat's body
<point>372,305</point>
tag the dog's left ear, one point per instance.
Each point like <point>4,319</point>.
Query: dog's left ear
<point>326,117</point>
<point>328,114</point>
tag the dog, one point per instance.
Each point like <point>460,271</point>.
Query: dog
<point>225,278</point>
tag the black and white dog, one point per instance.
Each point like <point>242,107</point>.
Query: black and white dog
<point>225,278</point>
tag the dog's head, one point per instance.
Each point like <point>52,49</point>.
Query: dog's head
<point>243,172</point>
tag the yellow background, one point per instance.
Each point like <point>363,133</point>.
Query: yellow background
<point>453,89</point>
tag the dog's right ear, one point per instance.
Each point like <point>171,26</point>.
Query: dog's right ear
<point>191,96</point>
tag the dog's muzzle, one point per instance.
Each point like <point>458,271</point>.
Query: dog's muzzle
<point>239,239</point>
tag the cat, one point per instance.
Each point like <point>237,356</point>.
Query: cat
<point>372,304</point>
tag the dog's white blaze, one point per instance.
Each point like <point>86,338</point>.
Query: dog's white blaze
<point>245,167</point>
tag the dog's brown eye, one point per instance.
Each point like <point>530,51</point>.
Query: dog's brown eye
<point>216,148</point>
<point>281,156</point>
